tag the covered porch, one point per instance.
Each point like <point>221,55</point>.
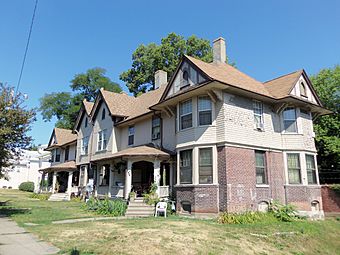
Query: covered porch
<point>135,169</point>
<point>60,178</point>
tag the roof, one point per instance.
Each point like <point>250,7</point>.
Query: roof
<point>142,150</point>
<point>88,106</point>
<point>69,165</point>
<point>62,137</point>
<point>282,86</point>
<point>119,104</point>
<point>230,75</point>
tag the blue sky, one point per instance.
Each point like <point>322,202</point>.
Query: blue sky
<point>265,38</point>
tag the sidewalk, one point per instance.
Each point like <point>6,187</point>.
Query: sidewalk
<point>14,240</point>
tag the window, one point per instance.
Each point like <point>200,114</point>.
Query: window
<point>104,175</point>
<point>204,111</point>
<point>84,145</point>
<point>311,171</point>
<point>102,140</point>
<point>289,120</point>
<point>258,114</point>
<point>85,121</point>
<point>205,166</point>
<point>67,152</point>
<point>103,114</point>
<point>260,164</point>
<point>293,162</point>
<point>156,128</point>
<point>57,155</point>
<point>185,78</point>
<point>186,167</point>
<point>131,137</point>
<point>303,91</point>
<point>185,112</point>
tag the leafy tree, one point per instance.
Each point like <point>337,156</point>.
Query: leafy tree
<point>65,105</point>
<point>327,128</point>
<point>15,122</point>
<point>147,59</point>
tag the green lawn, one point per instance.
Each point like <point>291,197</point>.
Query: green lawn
<point>174,235</point>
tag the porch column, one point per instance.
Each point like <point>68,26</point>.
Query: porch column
<point>41,183</point>
<point>54,181</point>
<point>157,174</point>
<point>85,179</point>
<point>69,183</point>
<point>128,179</point>
<point>110,180</point>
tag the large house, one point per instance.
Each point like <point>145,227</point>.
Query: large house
<point>212,138</point>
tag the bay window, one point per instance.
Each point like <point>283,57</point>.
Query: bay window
<point>205,166</point>
<point>185,111</point>
<point>185,167</point>
<point>311,170</point>
<point>294,168</point>
<point>204,111</point>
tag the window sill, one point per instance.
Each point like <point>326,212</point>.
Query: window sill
<point>285,133</point>
<point>101,151</point>
<point>262,185</point>
<point>195,185</point>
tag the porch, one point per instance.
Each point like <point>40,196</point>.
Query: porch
<point>134,169</point>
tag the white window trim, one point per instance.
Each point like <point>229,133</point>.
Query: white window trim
<point>82,149</point>
<point>261,127</point>
<point>100,137</point>
<point>211,111</point>
<point>180,115</point>
<point>132,134</point>
<point>297,120</point>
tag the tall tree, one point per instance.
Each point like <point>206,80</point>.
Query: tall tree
<point>327,128</point>
<point>147,59</point>
<point>65,105</point>
<point>15,121</point>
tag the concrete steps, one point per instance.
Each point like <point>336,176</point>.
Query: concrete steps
<point>59,197</point>
<point>138,208</point>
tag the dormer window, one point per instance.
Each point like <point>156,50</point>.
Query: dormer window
<point>185,78</point>
<point>303,91</point>
<point>103,114</point>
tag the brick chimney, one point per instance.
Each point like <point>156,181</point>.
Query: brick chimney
<point>219,51</point>
<point>161,78</point>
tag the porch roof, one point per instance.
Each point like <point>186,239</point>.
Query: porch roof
<point>140,151</point>
<point>69,165</point>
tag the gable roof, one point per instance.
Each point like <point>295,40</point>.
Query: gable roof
<point>86,107</point>
<point>119,104</point>
<point>61,137</point>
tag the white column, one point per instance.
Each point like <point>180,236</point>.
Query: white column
<point>54,181</point>
<point>157,174</point>
<point>195,174</point>
<point>85,180</point>
<point>110,180</point>
<point>128,179</point>
<point>69,183</point>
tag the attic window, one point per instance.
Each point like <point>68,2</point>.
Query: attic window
<point>185,78</point>
<point>303,91</point>
<point>103,114</point>
<point>85,121</point>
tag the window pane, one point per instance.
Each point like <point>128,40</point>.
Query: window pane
<point>186,121</point>
<point>260,162</point>
<point>311,171</point>
<point>185,107</point>
<point>186,166</point>
<point>293,162</point>
<point>290,125</point>
<point>204,103</point>
<point>205,166</point>
<point>205,118</point>
<point>289,114</point>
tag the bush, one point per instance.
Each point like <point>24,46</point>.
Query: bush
<point>335,188</point>
<point>282,212</point>
<point>245,218</point>
<point>151,197</point>
<point>106,206</point>
<point>40,196</point>
<point>27,186</point>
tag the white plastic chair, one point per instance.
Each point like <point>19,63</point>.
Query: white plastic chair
<point>161,208</point>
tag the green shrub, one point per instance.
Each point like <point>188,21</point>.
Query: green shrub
<point>27,186</point>
<point>282,212</point>
<point>44,196</point>
<point>245,218</point>
<point>151,197</point>
<point>106,206</point>
<point>335,187</point>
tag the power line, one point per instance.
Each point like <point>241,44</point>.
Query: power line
<point>27,44</point>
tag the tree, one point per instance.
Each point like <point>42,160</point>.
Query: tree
<point>15,121</point>
<point>147,59</point>
<point>327,128</point>
<point>65,105</point>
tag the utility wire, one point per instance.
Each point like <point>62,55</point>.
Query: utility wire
<point>27,44</point>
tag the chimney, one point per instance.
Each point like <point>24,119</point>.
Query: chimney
<point>219,51</point>
<point>161,78</point>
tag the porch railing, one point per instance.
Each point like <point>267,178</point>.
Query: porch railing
<point>163,191</point>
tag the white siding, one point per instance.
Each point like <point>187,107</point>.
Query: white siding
<point>296,90</point>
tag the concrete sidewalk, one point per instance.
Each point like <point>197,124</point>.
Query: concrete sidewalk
<point>16,241</point>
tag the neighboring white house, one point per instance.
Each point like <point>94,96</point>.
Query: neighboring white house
<point>26,168</point>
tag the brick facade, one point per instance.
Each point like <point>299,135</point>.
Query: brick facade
<point>303,196</point>
<point>202,198</point>
<point>330,200</point>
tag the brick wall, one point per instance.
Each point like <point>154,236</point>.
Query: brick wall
<point>222,177</point>
<point>303,196</point>
<point>203,199</point>
<point>330,199</point>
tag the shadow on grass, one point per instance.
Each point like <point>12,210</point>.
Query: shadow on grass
<point>7,211</point>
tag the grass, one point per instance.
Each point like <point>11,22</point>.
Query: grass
<point>174,235</point>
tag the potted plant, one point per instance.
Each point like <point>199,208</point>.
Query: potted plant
<point>132,196</point>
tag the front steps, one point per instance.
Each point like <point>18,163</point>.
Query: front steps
<point>59,197</point>
<point>138,208</point>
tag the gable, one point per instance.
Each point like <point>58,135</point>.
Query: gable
<point>185,75</point>
<point>304,90</point>
<point>53,139</point>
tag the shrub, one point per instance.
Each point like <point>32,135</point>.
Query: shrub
<point>282,212</point>
<point>40,196</point>
<point>106,206</point>
<point>335,188</point>
<point>27,186</point>
<point>245,218</point>
<point>151,197</point>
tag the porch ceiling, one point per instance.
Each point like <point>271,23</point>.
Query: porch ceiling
<point>66,166</point>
